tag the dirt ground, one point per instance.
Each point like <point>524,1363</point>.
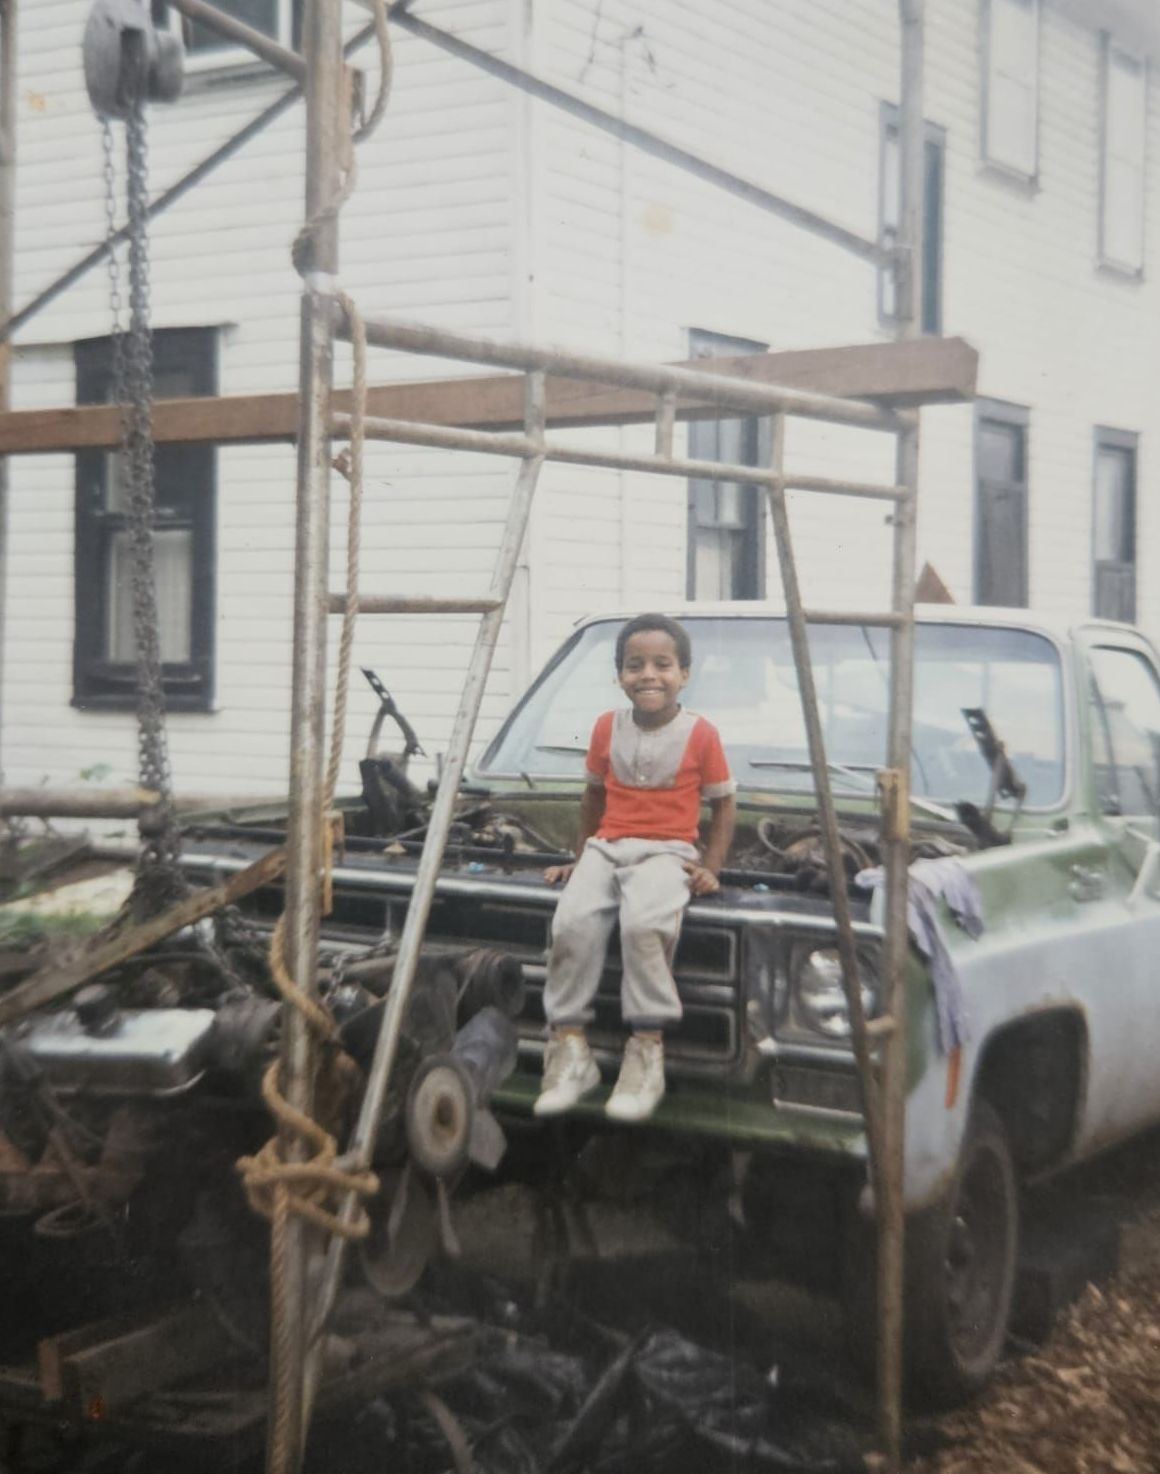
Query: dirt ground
<point>1088,1401</point>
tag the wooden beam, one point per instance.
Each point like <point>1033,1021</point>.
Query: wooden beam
<point>113,803</point>
<point>101,1378</point>
<point>922,371</point>
<point>57,979</point>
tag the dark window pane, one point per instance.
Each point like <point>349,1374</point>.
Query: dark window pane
<point>261,14</point>
<point>1000,451</point>
<point>932,239</point>
<point>185,362</point>
<point>725,528</point>
<point>1115,495</point>
<point>930,286</point>
<point>1001,510</point>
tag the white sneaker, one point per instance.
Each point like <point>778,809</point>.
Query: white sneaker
<point>569,1072</point>
<point>641,1084</point>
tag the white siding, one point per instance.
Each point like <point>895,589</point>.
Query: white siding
<point>482,209</point>
<point>428,234</point>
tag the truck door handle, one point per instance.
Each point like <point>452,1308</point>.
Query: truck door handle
<point>1086,884</point>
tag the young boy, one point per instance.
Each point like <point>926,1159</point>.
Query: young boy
<point>648,769</point>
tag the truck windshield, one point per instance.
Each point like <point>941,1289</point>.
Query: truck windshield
<point>743,680</point>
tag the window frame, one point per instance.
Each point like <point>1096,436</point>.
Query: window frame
<point>1104,438</point>
<point>1017,417</point>
<point>229,57</point>
<point>703,343</point>
<point>99,683</point>
<point>1000,165</point>
<point>931,308</point>
<point>1098,715</point>
<point>1109,49</point>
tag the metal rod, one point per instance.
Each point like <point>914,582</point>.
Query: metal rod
<point>827,813</point>
<point>486,442</point>
<point>411,942</point>
<point>387,604</point>
<point>852,616</point>
<point>325,138</point>
<point>869,489</point>
<point>238,140</point>
<point>724,393</point>
<point>896,812</point>
<point>236,30</point>
<point>8,89</point>
<point>644,139</point>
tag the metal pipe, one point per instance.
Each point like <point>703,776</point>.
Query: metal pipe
<point>827,813</point>
<point>236,30</point>
<point>725,394</point>
<point>896,812</point>
<point>486,442</point>
<point>851,616</point>
<point>388,604</point>
<point>326,138</point>
<point>411,942</point>
<point>8,88</point>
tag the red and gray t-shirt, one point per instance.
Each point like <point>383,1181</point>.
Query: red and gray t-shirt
<point>655,778</point>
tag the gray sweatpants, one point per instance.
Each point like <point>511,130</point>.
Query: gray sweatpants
<point>642,881</point>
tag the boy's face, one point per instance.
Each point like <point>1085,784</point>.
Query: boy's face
<point>651,676</point>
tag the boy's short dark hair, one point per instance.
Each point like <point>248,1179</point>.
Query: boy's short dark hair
<point>676,632</point>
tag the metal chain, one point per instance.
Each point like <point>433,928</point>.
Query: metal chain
<point>159,880</point>
<point>113,268</point>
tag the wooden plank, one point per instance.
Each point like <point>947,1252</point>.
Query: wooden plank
<point>102,1378</point>
<point>54,982</point>
<point>922,371</point>
<point>76,803</point>
<point>52,1351</point>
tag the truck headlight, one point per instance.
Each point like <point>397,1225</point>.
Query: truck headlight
<point>819,1001</point>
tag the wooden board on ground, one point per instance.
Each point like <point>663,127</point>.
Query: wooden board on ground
<point>101,1379</point>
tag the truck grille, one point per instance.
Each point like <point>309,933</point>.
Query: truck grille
<point>707,965</point>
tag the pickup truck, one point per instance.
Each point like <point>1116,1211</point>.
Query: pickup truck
<point>1047,801</point>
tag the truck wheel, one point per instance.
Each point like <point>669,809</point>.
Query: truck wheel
<point>959,1273</point>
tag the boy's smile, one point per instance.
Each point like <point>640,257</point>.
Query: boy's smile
<point>651,677</point>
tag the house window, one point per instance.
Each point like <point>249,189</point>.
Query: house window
<point>1011,85</point>
<point>1125,732</point>
<point>104,674</point>
<point>726,518</point>
<point>1114,526</point>
<point>1000,504</point>
<point>278,18</point>
<point>1124,92</point>
<point>889,178</point>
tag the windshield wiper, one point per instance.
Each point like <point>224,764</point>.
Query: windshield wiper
<point>559,747</point>
<point>859,776</point>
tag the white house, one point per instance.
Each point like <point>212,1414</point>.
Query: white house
<point>481,208</point>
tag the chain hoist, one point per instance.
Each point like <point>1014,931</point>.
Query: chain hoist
<point>129,61</point>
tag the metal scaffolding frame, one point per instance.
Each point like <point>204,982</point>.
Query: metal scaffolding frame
<point>879,1045</point>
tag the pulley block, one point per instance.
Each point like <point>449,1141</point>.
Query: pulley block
<point>128,59</point>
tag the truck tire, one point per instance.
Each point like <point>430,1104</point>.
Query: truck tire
<point>959,1274</point>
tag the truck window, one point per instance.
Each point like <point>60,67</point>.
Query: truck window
<point>1125,726</point>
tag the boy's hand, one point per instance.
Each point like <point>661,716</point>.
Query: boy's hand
<point>559,874</point>
<point>702,882</point>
